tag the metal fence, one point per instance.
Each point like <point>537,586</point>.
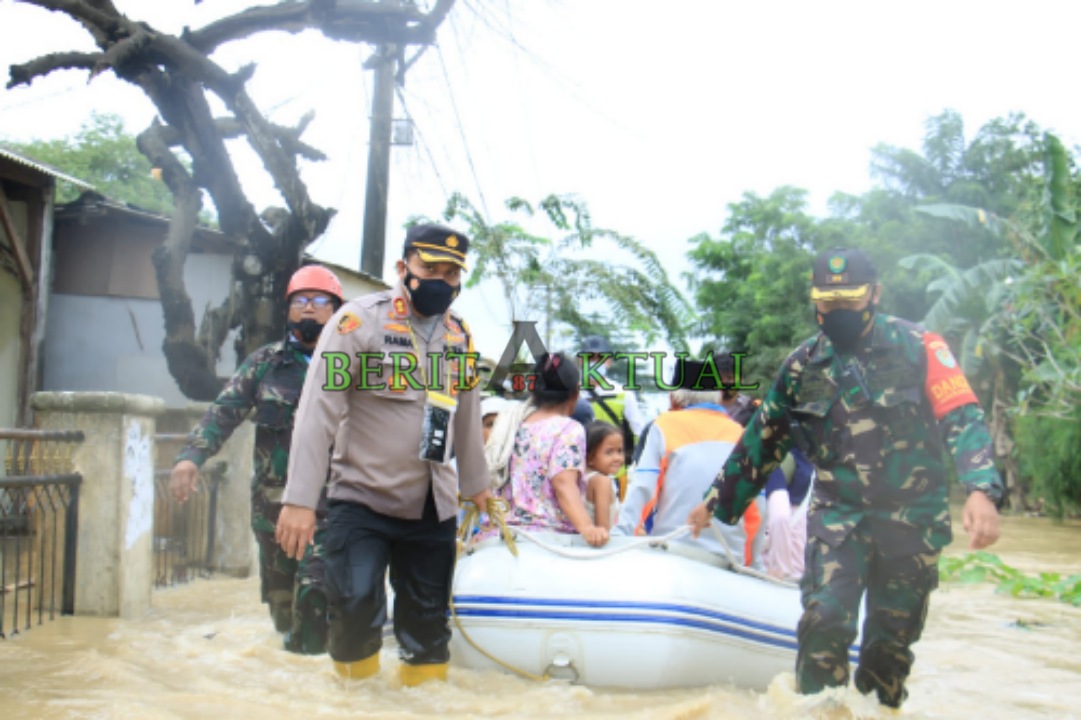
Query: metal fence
<point>184,533</point>
<point>39,522</point>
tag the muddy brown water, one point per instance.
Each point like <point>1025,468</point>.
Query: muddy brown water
<point>207,650</point>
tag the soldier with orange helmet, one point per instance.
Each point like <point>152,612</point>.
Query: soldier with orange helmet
<point>267,388</point>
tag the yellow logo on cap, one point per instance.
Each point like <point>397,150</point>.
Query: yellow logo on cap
<point>452,241</point>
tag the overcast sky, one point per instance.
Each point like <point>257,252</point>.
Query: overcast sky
<point>657,114</point>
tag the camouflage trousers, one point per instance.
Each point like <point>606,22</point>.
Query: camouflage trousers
<point>898,590</point>
<point>295,590</point>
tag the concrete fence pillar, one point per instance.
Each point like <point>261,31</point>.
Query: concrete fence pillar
<point>234,546</point>
<point>114,571</point>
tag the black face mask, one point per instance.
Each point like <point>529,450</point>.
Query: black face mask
<point>307,330</point>
<point>844,327</point>
<point>432,297</point>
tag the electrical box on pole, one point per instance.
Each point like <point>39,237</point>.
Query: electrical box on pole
<point>403,132</point>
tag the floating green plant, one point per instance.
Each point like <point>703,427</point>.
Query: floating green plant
<point>987,567</point>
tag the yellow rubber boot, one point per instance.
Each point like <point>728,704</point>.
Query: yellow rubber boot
<point>358,670</point>
<point>413,675</point>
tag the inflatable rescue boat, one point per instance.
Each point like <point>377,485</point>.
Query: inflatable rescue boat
<point>637,613</point>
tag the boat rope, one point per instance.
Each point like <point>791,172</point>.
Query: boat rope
<point>485,653</point>
<point>497,515</point>
<point>596,554</point>
<point>493,658</point>
<point>497,511</point>
<point>741,569</point>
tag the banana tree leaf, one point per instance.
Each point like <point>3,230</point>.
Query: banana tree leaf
<point>1063,220</point>
<point>973,217</point>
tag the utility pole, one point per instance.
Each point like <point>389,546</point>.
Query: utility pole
<point>373,244</point>
<point>548,316</point>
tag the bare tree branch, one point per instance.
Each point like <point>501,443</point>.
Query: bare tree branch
<point>122,52</point>
<point>40,67</point>
<point>351,20</point>
<point>278,163</point>
<point>188,363</point>
<point>230,128</point>
<point>176,73</point>
<point>216,324</point>
<point>285,17</point>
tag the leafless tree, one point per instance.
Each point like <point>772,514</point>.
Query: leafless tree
<point>176,73</point>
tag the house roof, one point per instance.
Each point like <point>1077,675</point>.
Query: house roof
<point>95,205</point>
<point>378,282</point>
<point>43,168</point>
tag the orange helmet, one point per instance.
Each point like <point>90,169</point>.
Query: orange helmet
<point>315,277</point>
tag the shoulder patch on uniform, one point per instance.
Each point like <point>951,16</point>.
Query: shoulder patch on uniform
<point>347,323</point>
<point>945,384</point>
<point>400,308</point>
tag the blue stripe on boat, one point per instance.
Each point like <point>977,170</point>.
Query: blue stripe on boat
<point>789,641</point>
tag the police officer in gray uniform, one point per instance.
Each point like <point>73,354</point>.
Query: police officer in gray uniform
<point>392,391</point>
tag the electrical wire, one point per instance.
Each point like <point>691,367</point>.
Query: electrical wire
<point>40,98</point>
<point>526,114</point>
<point>461,131</point>
<point>423,144</point>
<point>558,78</point>
<point>345,186</point>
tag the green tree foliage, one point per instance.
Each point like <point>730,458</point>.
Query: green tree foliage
<point>570,278</point>
<point>999,170</point>
<point>103,154</point>
<point>966,302</point>
<point>977,239</point>
<point>966,310</point>
<point>752,284</point>
<point>1036,322</point>
<point>1040,309</point>
<point>1048,453</point>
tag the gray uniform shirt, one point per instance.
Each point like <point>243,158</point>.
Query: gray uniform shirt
<point>375,431</point>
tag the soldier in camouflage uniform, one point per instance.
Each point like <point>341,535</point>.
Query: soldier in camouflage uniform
<point>872,400</point>
<point>266,387</point>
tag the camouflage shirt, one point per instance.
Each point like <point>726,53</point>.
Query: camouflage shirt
<point>266,387</point>
<point>875,424</point>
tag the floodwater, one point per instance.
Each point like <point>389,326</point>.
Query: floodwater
<point>207,650</point>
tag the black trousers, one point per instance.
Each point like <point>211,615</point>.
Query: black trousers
<point>361,544</point>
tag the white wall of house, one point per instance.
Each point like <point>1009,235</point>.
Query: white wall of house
<point>354,286</point>
<point>11,310</point>
<point>114,343</point>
